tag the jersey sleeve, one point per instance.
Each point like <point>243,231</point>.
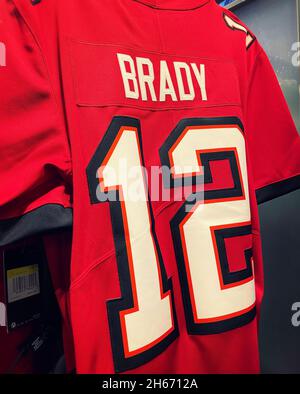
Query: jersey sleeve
<point>273,140</point>
<point>35,165</point>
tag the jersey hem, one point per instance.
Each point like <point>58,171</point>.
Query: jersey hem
<point>49,217</point>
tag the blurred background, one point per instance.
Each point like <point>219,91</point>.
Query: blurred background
<point>276,24</point>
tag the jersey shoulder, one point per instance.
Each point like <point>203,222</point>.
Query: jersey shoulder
<point>36,13</point>
<point>234,25</point>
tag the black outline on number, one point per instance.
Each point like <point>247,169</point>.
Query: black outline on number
<point>114,307</point>
<point>193,327</point>
<point>220,236</point>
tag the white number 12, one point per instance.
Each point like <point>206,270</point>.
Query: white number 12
<point>216,298</point>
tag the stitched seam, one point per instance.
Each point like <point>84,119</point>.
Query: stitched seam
<point>146,3</point>
<point>161,109</point>
<point>111,253</point>
<point>136,48</point>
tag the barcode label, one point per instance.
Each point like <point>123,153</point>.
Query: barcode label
<point>22,283</point>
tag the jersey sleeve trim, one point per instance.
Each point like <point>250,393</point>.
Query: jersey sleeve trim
<point>50,217</point>
<point>277,189</point>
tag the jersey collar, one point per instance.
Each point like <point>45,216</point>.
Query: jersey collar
<point>174,4</point>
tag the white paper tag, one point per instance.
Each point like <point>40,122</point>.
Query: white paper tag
<point>22,283</point>
<point>2,315</point>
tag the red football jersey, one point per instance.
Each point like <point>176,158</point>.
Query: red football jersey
<point>162,124</point>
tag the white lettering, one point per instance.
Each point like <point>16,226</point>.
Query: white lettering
<point>166,83</point>
<point>146,79</point>
<point>2,55</point>
<point>179,67</point>
<point>128,76</point>
<point>143,79</point>
<point>201,79</point>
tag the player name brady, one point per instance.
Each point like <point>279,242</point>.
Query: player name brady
<point>175,81</point>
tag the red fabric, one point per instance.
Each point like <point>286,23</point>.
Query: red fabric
<point>235,248</point>
<point>35,155</point>
<point>59,93</point>
<point>58,250</point>
<point>274,143</point>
